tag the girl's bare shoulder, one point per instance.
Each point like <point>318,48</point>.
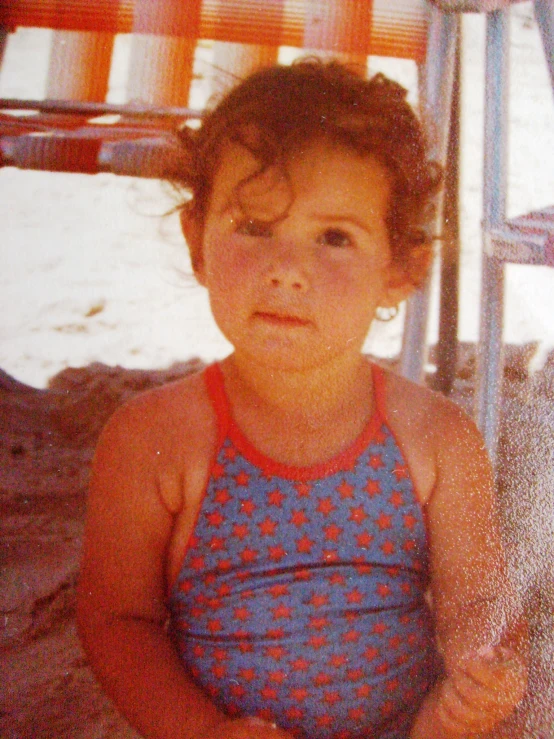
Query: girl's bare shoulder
<point>165,421</point>
<point>422,409</point>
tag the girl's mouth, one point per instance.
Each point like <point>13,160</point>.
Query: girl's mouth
<point>281,319</point>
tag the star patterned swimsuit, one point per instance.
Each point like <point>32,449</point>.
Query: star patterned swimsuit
<point>301,594</point>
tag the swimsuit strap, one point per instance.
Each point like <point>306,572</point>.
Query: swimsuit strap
<point>220,402</point>
<point>379,391</point>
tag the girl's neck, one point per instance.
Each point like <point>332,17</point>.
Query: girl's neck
<point>313,394</point>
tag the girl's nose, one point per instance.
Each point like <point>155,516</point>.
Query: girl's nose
<point>287,269</point>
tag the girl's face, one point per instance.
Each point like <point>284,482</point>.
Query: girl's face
<point>297,268</point>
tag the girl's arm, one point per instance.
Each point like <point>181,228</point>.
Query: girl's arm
<point>480,628</point>
<point>120,611</point>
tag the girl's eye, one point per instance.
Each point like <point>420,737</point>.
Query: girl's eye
<point>335,237</point>
<point>251,227</point>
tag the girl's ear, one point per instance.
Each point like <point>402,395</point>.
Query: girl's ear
<point>193,233</point>
<point>399,288</point>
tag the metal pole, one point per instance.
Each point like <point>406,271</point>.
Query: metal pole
<point>490,352</point>
<point>436,94</point>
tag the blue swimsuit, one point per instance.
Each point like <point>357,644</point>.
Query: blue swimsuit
<point>301,594</point>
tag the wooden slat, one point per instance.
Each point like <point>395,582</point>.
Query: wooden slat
<point>398,27</point>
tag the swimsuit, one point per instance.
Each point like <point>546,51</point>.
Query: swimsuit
<point>301,594</point>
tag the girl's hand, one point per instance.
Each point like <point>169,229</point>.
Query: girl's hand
<point>482,691</point>
<point>250,727</point>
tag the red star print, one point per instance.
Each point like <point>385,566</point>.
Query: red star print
<point>268,693</point>
<point>358,515</point>
<point>242,614</point>
<point>410,521</point>
<point>383,590</point>
<point>356,714</point>
<point>277,676</point>
<point>371,653</point>
<point>376,462</point>
<point>267,527</point>
<point>222,496</point>
<point>317,641</point>
<point>247,507</point>
<point>332,532</point>
<point>277,653</point>
<point>218,470</point>
<point>355,675</point>
<point>197,563</point>
<point>275,634</point>
<point>373,488</point>
<point>219,671</point>
<point>393,571</point>
<point>240,530</point>
<point>216,543</point>
<point>294,714</point>
<point>351,636</point>
<point>214,625</point>
<point>276,498</point>
<point>330,555</point>
<point>345,490</point>
<point>300,664</point>
<point>336,579</point>
<point>364,691</point>
<point>400,471</point>
<point>248,555</point>
<point>299,694</point>
<point>304,545</point>
<point>388,547</point>
<point>322,678</point>
<point>324,720</point>
<point>332,697</point>
<point>409,545</point>
<point>325,506</point>
<point>387,708</point>
<point>338,660</point>
<point>276,553</point>
<point>354,596</point>
<point>298,518</point>
<point>396,499</point>
<point>279,590</point>
<point>198,651</point>
<point>318,622</point>
<point>303,490</point>
<point>364,540</point>
<point>304,575</point>
<point>237,691</point>
<point>213,604</point>
<point>282,611</point>
<point>317,600</point>
<point>384,521</point>
<point>215,519</point>
<point>242,479</point>
<point>379,628</point>
<point>395,642</point>
<point>186,586</point>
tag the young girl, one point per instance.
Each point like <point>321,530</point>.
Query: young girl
<point>262,536</point>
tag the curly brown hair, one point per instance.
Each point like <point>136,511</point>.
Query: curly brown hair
<point>289,107</point>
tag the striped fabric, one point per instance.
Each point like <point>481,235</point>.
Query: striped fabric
<point>378,27</point>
